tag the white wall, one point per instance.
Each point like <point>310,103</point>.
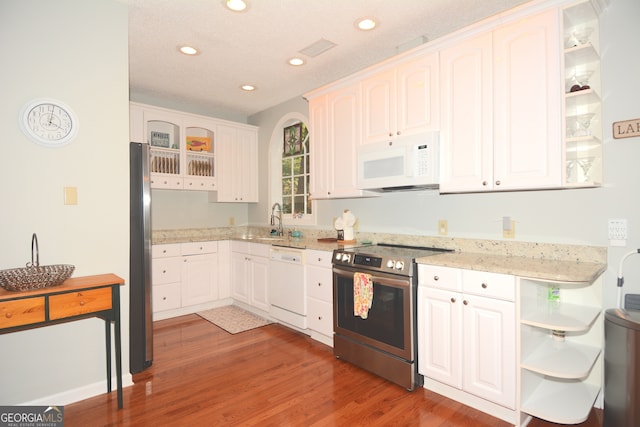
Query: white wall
<point>74,51</point>
<point>567,216</point>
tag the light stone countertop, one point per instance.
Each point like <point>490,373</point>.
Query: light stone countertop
<point>544,261</point>
<point>532,268</point>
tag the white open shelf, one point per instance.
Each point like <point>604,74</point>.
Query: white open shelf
<point>561,359</point>
<point>561,316</point>
<point>561,402</point>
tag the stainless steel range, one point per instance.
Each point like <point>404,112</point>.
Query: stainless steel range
<point>375,304</point>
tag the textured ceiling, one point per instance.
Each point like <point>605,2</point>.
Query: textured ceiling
<point>254,46</point>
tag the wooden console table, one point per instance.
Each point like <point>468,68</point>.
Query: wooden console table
<point>76,298</point>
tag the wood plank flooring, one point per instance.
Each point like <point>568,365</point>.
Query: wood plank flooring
<point>270,376</point>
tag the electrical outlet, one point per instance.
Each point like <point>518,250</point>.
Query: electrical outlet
<point>443,227</point>
<point>617,232</point>
<point>509,233</point>
<point>232,220</point>
<point>70,195</point>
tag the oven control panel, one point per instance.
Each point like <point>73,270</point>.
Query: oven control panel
<point>369,262</point>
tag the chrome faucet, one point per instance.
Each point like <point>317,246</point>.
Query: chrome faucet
<point>278,217</point>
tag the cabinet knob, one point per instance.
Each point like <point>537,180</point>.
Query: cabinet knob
<point>184,260</point>
<point>484,183</point>
<point>465,302</point>
<point>436,278</point>
<point>498,182</point>
<point>319,317</point>
<point>484,286</point>
<point>164,271</point>
<point>319,259</point>
<point>453,299</point>
<point>319,284</point>
<point>390,134</point>
<point>164,298</point>
<point>398,133</point>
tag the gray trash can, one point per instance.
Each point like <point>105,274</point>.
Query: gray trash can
<point>621,368</point>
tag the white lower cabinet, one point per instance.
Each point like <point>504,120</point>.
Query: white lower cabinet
<point>319,282</point>
<point>184,278</point>
<point>250,274</point>
<point>467,337</point>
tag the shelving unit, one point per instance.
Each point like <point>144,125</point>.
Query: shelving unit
<point>561,349</point>
<point>582,106</point>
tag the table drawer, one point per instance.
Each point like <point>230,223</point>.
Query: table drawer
<point>21,312</point>
<point>77,303</point>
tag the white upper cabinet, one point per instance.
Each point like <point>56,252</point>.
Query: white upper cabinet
<point>401,100</point>
<point>501,110</point>
<point>335,130</point>
<point>238,177</point>
<point>192,152</point>
<point>466,149</point>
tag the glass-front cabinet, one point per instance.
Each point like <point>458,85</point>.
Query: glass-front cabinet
<point>183,153</point>
<point>582,100</point>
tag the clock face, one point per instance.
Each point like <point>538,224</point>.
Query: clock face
<point>49,122</point>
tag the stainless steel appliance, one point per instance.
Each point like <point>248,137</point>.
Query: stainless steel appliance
<point>384,343</point>
<point>140,314</point>
<point>287,290</point>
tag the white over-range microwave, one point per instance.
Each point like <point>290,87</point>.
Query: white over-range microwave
<point>404,163</point>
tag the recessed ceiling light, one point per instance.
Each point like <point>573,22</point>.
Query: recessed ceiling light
<point>366,24</point>
<point>248,88</point>
<point>236,5</point>
<point>188,50</point>
<point>296,62</point>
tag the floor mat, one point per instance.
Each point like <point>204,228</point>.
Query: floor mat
<point>233,319</point>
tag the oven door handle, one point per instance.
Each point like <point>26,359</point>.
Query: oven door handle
<point>400,283</point>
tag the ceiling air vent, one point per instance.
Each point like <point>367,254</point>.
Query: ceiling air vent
<point>317,48</point>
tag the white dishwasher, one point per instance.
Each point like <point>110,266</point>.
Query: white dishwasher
<point>287,290</point>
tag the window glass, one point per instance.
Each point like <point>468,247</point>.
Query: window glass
<point>295,170</point>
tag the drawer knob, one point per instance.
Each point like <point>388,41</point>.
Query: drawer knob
<point>164,298</point>
<point>164,271</point>
<point>484,286</point>
<point>319,317</point>
<point>484,183</point>
<point>453,299</point>
<point>319,284</point>
<point>8,315</point>
<point>319,259</point>
<point>498,182</point>
<point>436,278</point>
<point>465,302</point>
<point>82,303</point>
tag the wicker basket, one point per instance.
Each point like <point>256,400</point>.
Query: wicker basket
<point>34,276</point>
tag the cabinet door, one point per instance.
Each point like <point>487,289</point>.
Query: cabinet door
<point>259,282</point>
<point>238,165</point>
<point>466,116</point>
<point>199,279</point>
<point>247,153</point>
<point>320,148</point>
<point>379,107</point>
<point>344,136</point>
<point>489,362</point>
<point>440,335</point>
<point>239,277</point>
<point>528,104</point>
<point>417,95</point>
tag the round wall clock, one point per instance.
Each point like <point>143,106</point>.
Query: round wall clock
<point>49,122</point>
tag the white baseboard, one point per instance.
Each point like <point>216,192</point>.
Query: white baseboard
<point>81,393</point>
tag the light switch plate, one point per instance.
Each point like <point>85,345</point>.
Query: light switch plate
<point>70,195</point>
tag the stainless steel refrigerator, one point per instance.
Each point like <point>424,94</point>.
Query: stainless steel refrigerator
<point>140,313</point>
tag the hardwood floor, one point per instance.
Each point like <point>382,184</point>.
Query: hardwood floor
<point>271,376</point>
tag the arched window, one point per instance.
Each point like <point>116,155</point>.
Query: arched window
<point>290,169</point>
